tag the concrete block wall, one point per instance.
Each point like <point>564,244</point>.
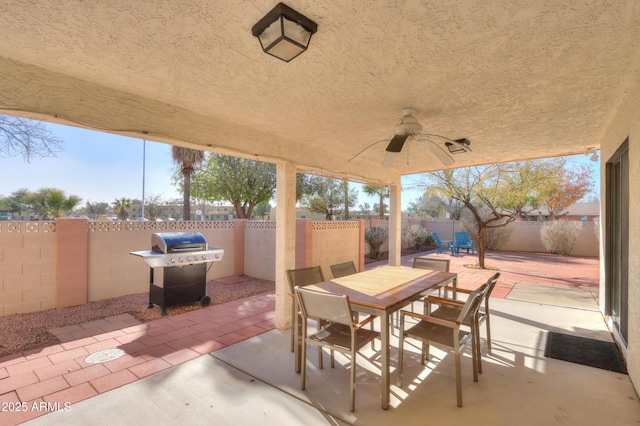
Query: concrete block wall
<point>44,265</point>
<point>336,242</point>
<point>259,249</point>
<point>27,267</point>
<point>114,272</point>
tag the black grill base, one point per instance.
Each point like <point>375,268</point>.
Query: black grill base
<point>181,285</point>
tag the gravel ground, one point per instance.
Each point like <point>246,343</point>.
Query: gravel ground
<point>22,332</point>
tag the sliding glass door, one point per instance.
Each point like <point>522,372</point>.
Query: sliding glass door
<point>617,242</point>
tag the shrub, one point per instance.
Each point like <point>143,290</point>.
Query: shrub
<point>559,236</point>
<point>414,235</point>
<point>375,237</point>
<point>429,241</point>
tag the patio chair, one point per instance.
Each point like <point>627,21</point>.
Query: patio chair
<point>343,269</point>
<point>462,242</point>
<point>444,334</point>
<point>431,263</point>
<point>302,277</point>
<point>449,311</point>
<point>441,244</point>
<point>340,334</point>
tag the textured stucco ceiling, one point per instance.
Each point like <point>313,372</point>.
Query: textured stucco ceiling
<point>520,79</point>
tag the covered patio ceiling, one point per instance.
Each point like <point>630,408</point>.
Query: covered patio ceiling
<point>519,79</point>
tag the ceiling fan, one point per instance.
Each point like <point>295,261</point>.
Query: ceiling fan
<point>409,127</point>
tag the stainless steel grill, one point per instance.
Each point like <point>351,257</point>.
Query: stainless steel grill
<point>183,257</point>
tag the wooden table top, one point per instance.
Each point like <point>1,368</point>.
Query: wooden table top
<point>385,287</point>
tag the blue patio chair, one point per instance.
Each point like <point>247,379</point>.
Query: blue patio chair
<point>441,244</point>
<point>462,241</point>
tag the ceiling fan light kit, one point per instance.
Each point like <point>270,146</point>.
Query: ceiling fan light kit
<point>594,154</point>
<point>460,147</point>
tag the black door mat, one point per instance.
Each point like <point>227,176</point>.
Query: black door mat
<point>580,350</point>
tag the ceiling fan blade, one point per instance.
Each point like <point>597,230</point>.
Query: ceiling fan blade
<point>389,159</point>
<point>438,152</point>
<point>397,143</point>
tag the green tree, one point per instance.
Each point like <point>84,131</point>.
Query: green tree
<point>430,205</point>
<point>17,202</point>
<point>304,186</point>
<point>29,138</point>
<point>262,209</point>
<point>382,192</point>
<point>504,189</point>
<point>244,183</point>
<point>328,196</point>
<point>345,188</point>
<point>53,202</point>
<point>187,159</point>
<point>120,208</point>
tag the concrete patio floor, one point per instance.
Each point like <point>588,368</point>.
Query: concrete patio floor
<point>227,365</point>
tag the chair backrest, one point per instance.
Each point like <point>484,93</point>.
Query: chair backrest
<point>343,269</point>
<point>304,276</point>
<point>462,237</point>
<point>472,303</point>
<point>431,263</point>
<point>435,237</point>
<point>328,306</point>
<point>491,283</point>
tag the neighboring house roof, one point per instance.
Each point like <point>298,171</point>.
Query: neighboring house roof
<point>577,209</point>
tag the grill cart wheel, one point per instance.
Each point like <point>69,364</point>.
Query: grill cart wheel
<point>205,301</point>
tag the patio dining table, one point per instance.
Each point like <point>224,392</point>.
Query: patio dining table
<point>381,292</point>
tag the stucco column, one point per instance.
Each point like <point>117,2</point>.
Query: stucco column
<point>285,240</point>
<point>395,225</point>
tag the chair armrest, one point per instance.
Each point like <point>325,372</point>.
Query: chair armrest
<point>444,301</point>
<point>366,321</point>
<point>434,320</point>
<point>458,289</point>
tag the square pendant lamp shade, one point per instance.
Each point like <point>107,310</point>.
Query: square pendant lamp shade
<point>284,33</point>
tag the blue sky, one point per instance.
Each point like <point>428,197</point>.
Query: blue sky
<point>94,166</point>
<point>101,167</point>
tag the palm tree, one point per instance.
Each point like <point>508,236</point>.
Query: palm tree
<point>120,206</point>
<point>381,191</point>
<point>187,159</point>
<point>53,202</point>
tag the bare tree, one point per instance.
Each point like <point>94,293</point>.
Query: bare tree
<point>29,138</point>
<point>505,190</point>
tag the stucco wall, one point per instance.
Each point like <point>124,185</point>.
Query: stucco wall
<point>27,267</point>
<point>626,124</point>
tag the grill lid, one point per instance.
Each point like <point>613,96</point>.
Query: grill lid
<point>168,242</point>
